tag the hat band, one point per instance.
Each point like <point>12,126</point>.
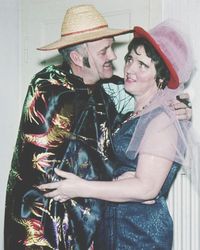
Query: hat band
<point>83,31</point>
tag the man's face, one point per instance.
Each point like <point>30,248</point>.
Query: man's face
<point>100,57</point>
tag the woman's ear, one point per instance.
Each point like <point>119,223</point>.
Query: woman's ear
<point>76,58</point>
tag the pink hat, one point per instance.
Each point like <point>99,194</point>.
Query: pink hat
<point>173,48</point>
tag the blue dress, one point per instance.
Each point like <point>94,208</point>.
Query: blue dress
<point>133,225</point>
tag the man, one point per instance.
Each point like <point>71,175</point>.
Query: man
<point>66,123</point>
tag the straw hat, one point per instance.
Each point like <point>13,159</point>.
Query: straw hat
<point>83,23</point>
<point>173,47</point>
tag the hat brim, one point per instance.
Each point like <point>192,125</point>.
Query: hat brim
<point>84,37</point>
<point>174,80</point>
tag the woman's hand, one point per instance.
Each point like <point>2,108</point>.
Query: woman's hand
<point>69,187</point>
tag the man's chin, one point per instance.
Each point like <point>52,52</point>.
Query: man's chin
<point>107,75</point>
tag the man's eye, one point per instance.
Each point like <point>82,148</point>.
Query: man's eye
<point>103,52</point>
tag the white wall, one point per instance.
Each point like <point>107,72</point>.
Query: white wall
<point>9,87</point>
<point>188,13</point>
<point>184,201</point>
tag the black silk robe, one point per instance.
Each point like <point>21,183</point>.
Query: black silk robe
<point>63,125</point>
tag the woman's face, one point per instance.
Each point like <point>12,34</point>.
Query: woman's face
<point>139,73</point>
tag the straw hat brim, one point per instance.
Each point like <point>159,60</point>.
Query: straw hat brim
<point>174,80</point>
<point>84,37</point>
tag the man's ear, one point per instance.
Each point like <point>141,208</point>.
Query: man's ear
<point>76,58</point>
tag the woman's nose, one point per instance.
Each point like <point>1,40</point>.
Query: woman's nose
<point>131,68</point>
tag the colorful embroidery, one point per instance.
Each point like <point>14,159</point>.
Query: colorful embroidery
<point>34,233</point>
<point>41,161</point>
<point>30,111</point>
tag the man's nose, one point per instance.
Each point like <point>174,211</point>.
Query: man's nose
<point>112,56</point>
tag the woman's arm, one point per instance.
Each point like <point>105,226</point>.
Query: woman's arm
<point>150,174</point>
<point>144,186</point>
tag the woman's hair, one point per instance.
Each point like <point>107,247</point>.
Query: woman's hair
<point>162,72</point>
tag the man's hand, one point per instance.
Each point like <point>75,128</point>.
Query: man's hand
<point>183,107</point>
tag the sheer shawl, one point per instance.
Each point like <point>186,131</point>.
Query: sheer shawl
<point>159,133</point>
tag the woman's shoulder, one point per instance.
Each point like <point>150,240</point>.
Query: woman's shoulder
<point>160,117</point>
<point>162,125</point>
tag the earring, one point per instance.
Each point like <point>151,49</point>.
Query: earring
<point>160,84</point>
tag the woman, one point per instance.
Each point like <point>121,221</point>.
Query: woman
<point>149,147</point>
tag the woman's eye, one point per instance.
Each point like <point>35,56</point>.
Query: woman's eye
<point>143,65</point>
<point>129,59</point>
